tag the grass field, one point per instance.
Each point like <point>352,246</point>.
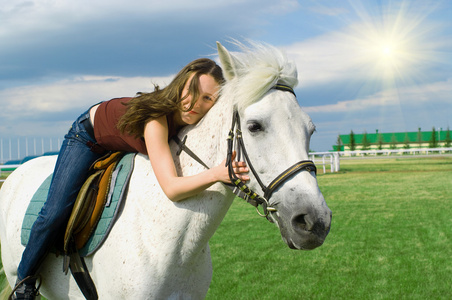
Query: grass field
<point>391,238</point>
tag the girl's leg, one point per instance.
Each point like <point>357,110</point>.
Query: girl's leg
<point>71,170</point>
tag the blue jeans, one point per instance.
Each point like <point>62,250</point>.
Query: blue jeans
<point>71,170</point>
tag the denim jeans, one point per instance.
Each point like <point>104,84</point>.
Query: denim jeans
<point>70,172</point>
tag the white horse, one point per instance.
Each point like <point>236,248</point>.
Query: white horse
<point>158,249</point>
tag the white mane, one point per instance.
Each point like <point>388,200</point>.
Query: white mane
<point>257,69</point>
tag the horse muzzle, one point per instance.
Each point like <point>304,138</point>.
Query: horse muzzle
<point>303,229</point>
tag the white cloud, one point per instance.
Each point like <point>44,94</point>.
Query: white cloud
<point>437,92</point>
<point>328,10</point>
<point>67,94</point>
<point>36,15</point>
<point>320,59</point>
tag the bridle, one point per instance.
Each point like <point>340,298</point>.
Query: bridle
<point>239,187</point>
<point>249,195</point>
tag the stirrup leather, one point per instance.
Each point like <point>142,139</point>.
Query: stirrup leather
<point>35,292</point>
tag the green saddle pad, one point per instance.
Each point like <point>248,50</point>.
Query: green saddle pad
<point>119,182</point>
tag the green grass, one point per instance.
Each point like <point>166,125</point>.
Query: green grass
<point>390,239</point>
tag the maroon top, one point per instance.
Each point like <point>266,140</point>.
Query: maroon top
<point>108,135</point>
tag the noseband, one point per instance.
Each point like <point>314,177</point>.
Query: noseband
<point>240,188</point>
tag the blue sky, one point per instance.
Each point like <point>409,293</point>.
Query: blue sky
<point>363,65</point>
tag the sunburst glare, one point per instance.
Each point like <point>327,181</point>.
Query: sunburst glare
<point>390,49</point>
<point>391,46</point>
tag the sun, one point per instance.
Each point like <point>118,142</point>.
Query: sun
<point>388,56</point>
<point>389,46</point>
<point>387,53</point>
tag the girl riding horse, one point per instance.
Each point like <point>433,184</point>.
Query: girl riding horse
<point>142,124</point>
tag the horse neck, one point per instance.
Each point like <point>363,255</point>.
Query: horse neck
<point>197,218</point>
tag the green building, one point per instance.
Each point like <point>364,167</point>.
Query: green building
<point>394,140</point>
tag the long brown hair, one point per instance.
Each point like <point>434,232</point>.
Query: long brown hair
<point>148,106</point>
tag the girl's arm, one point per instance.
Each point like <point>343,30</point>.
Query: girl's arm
<point>178,188</point>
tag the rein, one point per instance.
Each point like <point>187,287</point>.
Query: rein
<point>240,188</point>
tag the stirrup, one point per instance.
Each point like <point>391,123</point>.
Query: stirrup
<point>18,284</point>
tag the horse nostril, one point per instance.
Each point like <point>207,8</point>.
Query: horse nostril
<point>299,222</point>
<point>304,222</point>
<point>300,219</point>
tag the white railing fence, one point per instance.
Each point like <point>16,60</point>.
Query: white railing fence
<point>387,152</point>
<point>332,159</point>
<point>20,147</point>
<point>326,158</point>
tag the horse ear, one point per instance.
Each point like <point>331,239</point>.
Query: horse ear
<point>227,62</point>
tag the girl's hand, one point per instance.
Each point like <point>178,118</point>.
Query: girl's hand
<point>239,167</point>
<point>178,188</point>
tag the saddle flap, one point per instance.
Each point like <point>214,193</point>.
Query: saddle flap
<point>82,236</point>
<point>82,206</point>
<point>90,202</point>
<point>105,161</point>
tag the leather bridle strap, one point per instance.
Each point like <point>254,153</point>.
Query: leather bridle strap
<point>284,88</point>
<point>183,147</point>
<point>240,148</point>
<point>249,195</point>
<point>307,165</point>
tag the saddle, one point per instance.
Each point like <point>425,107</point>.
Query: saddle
<point>84,218</point>
<point>94,213</point>
<point>90,202</point>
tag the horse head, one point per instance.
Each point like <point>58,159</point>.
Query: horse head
<point>276,133</point>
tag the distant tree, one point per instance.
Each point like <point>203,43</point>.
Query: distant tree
<point>380,141</point>
<point>433,143</point>
<point>419,137</point>
<point>339,143</point>
<point>406,142</point>
<point>352,144</point>
<point>393,142</point>
<point>365,142</point>
<point>448,140</point>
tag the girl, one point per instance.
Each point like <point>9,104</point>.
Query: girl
<point>142,124</point>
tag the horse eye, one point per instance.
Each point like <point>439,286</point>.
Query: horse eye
<point>254,127</point>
